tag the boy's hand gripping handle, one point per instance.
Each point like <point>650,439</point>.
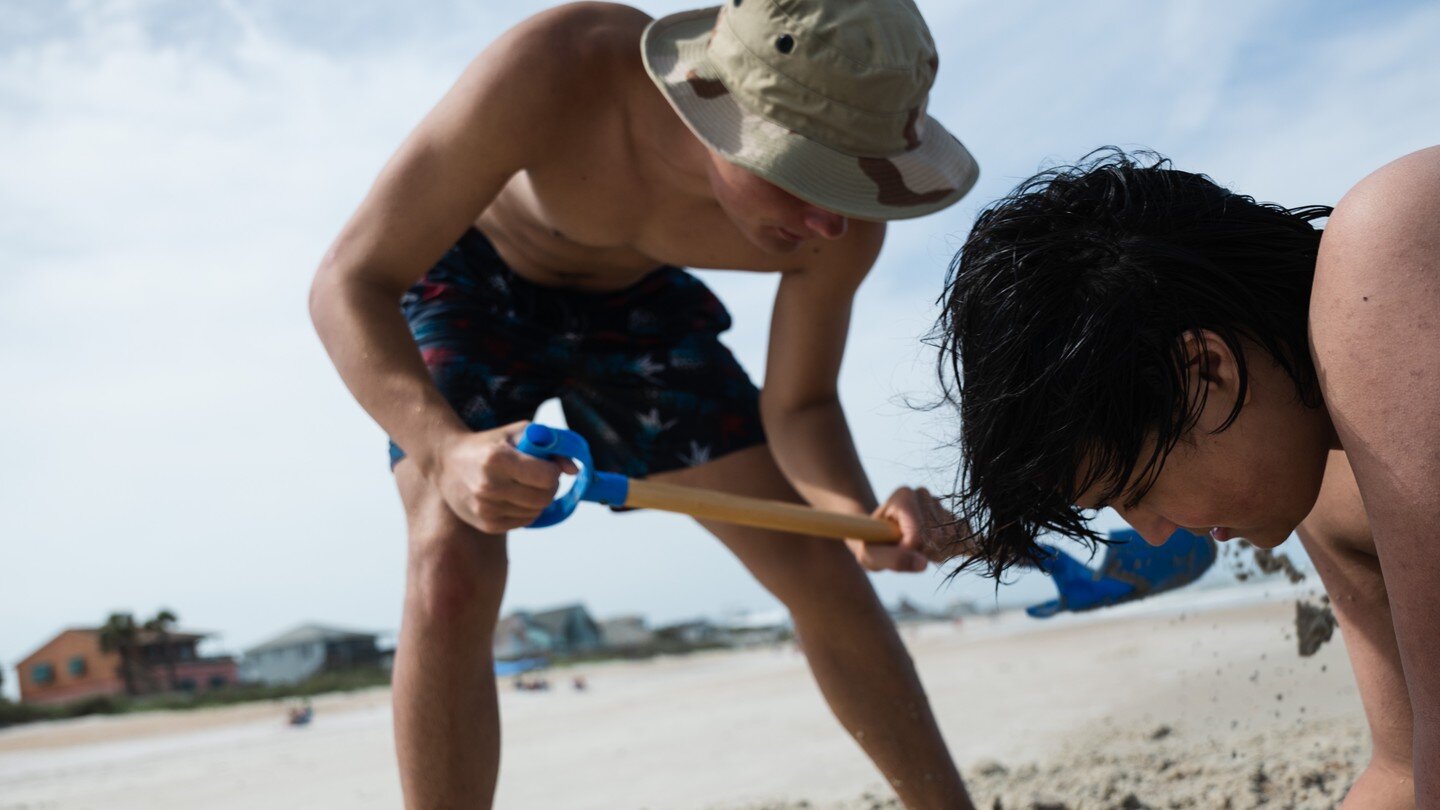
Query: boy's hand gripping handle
<point>590,485</point>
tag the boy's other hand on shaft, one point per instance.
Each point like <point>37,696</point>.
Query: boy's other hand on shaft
<point>925,530</point>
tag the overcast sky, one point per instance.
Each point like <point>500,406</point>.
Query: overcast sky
<point>172,170</point>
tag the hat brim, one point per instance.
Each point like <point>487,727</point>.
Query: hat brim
<point>931,176</point>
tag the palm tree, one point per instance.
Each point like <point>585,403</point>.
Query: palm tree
<point>161,626</point>
<point>118,634</point>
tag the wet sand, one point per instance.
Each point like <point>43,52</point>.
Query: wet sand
<point>1186,700</point>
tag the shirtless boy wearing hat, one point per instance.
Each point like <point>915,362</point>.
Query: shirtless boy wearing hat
<point>525,243</point>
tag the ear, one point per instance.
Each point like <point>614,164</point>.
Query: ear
<point>1211,366</point>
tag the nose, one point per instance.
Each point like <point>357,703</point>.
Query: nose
<point>825,223</point>
<point>1153,528</point>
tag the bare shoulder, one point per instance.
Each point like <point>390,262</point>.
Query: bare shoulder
<point>578,34</point>
<point>560,52</point>
<point>1413,174</point>
<point>1393,212</point>
<point>552,67</point>
<point>1379,262</point>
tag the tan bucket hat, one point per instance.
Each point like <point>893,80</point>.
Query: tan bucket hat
<point>824,98</point>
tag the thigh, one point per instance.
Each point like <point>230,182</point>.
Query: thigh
<point>666,399</point>
<point>798,569</point>
<point>483,352</point>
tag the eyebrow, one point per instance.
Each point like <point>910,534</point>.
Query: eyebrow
<point>1129,499</point>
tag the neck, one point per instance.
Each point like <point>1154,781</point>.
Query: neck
<point>670,155</point>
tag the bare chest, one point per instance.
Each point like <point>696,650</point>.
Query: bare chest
<point>588,219</point>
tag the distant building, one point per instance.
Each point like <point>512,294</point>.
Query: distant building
<point>306,651</point>
<point>906,611</point>
<point>561,631</point>
<point>961,608</point>
<point>73,665</point>
<point>755,627</point>
<point>625,633</point>
<point>696,633</point>
<point>517,638</point>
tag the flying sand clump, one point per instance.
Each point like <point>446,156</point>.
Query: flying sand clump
<point>1271,562</point>
<point>1314,625</point>
<point>1315,622</point>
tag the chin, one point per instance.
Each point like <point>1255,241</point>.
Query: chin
<point>1265,539</point>
<point>777,247</point>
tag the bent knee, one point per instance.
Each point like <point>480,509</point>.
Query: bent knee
<point>456,577</point>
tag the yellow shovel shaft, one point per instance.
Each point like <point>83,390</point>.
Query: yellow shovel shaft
<point>786,517</point>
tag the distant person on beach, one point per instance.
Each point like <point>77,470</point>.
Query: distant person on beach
<point>526,243</point>
<point>1121,333</point>
<point>302,714</point>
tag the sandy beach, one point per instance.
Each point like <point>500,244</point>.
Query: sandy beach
<point>1188,700</point>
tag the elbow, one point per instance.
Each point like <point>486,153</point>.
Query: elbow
<point>329,289</point>
<point>776,411</point>
<point>322,293</point>
<point>771,411</point>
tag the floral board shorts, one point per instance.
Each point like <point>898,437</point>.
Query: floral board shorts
<point>639,372</point>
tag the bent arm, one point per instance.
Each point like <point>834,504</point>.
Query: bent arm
<point>1374,337</point>
<point>804,422</point>
<point>799,403</point>
<point>438,183</point>
<point>1336,535</point>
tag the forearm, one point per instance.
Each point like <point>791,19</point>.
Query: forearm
<point>814,449</point>
<point>371,346</point>
<point>1425,761</point>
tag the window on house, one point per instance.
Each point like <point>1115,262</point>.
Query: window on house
<point>218,681</point>
<point>43,674</point>
<point>77,666</point>
<point>186,685</point>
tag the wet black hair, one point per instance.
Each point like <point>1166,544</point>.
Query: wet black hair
<point>1060,336</point>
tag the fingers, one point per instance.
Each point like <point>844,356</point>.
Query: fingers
<point>495,487</point>
<point>886,557</point>
<point>514,467</point>
<point>532,470</point>
<point>927,534</point>
<point>500,509</point>
<point>902,510</point>
<point>946,536</point>
<point>511,513</point>
<point>516,495</point>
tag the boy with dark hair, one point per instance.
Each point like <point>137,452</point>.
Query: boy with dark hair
<point>1120,333</point>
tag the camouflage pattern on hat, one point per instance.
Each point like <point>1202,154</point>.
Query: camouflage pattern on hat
<point>826,100</point>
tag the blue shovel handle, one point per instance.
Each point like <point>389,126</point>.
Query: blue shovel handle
<point>591,484</point>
